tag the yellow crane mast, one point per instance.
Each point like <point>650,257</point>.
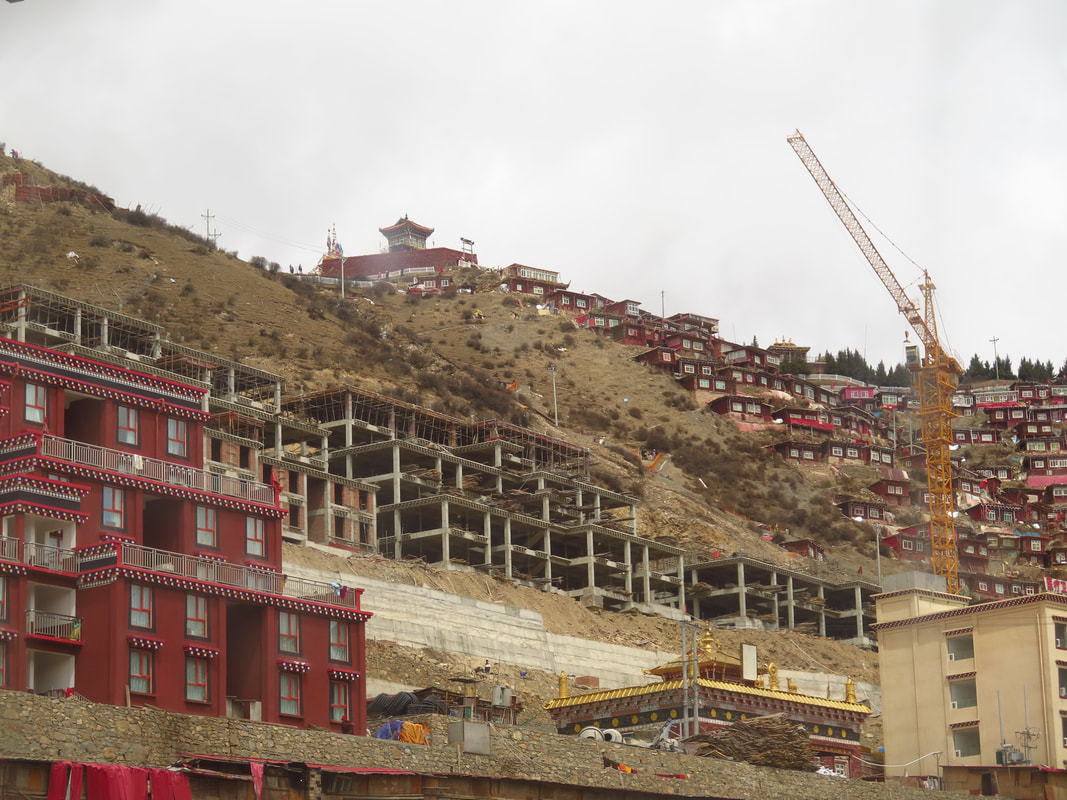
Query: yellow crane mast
<point>938,374</point>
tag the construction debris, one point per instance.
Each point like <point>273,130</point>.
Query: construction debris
<point>770,741</point>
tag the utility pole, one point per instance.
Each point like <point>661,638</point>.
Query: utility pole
<point>996,361</point>
<point>212,236</point>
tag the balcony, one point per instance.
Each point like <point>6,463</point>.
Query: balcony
<point>166,472</point>
<point>45,556</point>
<point>53,626</point>
<point>120,554</point>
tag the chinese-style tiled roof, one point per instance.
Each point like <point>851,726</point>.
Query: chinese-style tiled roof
<point>737,688</point>
<point>404,222</point>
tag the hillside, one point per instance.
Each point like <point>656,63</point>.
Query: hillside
<point>719,490</point>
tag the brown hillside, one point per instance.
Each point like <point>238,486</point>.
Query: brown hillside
<point>719,490</point>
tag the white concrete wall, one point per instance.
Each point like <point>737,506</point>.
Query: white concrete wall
<point>414,616</point>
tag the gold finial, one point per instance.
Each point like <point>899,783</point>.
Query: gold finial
<point>563,690</point>
<point>850,690</point>
<point>772,675</point>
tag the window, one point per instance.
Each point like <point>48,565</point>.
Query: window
<point>338,640</point>
<point>338,700</point>
<point>289,694</point>
<point>140,606</point>
<point>127,432</point>
<point>966,742</point>
<point>177,433</point>
<point>907,545</point>
<point>960,647</point>
<point>196,616</point>
<point>255,536</point>
<point>206,526</point>
<point>112,515</point>
<point>36,403</point>
<point>288,632</point>
<point>141,671</point>
<point>963,694</point>
<point>196,679</point>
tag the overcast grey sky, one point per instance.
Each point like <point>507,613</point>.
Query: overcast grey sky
<point>637,148</point>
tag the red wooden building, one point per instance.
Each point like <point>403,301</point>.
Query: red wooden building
<point>130,574</point>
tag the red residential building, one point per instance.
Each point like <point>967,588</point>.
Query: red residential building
<point>129,574</point>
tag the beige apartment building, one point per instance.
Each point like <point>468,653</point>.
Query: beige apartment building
<point>976,694</point>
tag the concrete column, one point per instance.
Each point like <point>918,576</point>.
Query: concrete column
<point>104,339</point>
<point>396,472</point>
<point>790,609</point>
<point>647,588</point>
<point>446,543</point>
<point>681,583</point>
<point>548,549</point>
<point>278,447</point>
<point>742,600</point>
<point>398,544</point>
<point>591,567</point>
<point>859,613</point>
<point>277,397</point>
<point>579,503</point>
<point>628,558</point>
<point>822,614</point>
<point>487,529</point>
<point>77,322</point>
<point>633,518</point>
<point>507,547</point>
<point>231,383</point>
<point>459,476</point>
<point>596,506</point>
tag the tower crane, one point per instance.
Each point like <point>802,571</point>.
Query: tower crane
<point>937,371</point>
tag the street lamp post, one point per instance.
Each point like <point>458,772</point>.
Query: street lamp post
<point>555,406</point>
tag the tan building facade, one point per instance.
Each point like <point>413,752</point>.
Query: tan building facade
<point>972,686</point>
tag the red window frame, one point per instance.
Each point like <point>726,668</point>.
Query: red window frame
<point>339,641</point>
<point>288,632</point>
<point>112,502</point>
<point>196,616</point>
<point>196,680</point>
<point>289,694</point>
<point>255,536</point>
<point>128,431</point>
<point>207,526</point>
<point>141,670</point>
<point>36,403</point>
<point>340,703</point>
<point>177,437</point>
<point>140,603</point>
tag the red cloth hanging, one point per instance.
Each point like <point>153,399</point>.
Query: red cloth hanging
<point>64,775</point>
<point>116,782</point>
<point>257,777</point>
<point>169,784</point>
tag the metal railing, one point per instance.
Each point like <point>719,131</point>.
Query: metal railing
<point>226,574</point>
<point>57,626</point>
<point>9,549</point>
<point>49,557</point>
<point>167,472</point>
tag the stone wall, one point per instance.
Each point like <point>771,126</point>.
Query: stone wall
<point>47,729</point>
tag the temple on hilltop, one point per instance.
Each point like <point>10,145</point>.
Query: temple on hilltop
<point>723,697</point>
<point>407,256</point>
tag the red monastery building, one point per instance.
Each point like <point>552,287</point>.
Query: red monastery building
<point>129,573</point>
<point>407,255</point>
